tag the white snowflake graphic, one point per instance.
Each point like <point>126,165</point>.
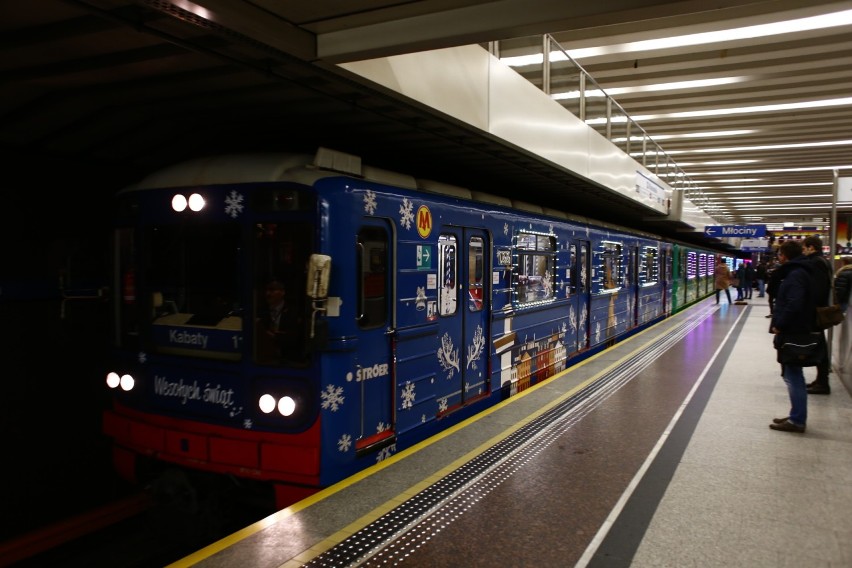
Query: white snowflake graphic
<point>248,424</point>
<point>344,443</point>
<point>505,228</point>
<point>406,212</point>
<point>448,356</point>
<point>370,201</point>
<point>234,204</point>
<point>385,453</point>
<point>382,427</point>
<point>408,395</point>
<point>332,397</point>
<point>442,404</point>
<point>474,351</point>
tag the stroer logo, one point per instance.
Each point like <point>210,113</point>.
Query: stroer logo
<point>424,221</point>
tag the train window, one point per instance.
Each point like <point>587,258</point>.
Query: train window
<point>448,265</point>
<point>372,254</point>
<point>535,271</point>
<point>193,274</point>
<point>475,268</point>
<point>691,265</point>
<point>280,198</point>
<point>612,277</point>
<point>650,268</point>
<point>280,261</point>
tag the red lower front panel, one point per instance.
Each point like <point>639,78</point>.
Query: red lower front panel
<point>290,458</point>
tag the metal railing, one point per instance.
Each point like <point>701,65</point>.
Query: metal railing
<point>565,80</point>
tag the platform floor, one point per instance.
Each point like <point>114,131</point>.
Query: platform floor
<point>656,452</point>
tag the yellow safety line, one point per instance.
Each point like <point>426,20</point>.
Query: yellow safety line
<point>352,528</point>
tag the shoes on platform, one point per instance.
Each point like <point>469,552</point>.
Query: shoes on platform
<point>768,316</point>
<point>780,420</point>
<point>818,389</point>
<point>787,426</point>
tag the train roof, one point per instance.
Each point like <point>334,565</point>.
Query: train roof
<point>304,168</point>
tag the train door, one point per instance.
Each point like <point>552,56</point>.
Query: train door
<point>633,283</point>
<point>582,271</point>
<point>666,278</point>
<point>463,308</point>
<point>374,365</point>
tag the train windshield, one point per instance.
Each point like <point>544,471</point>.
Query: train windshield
<point>193,275</point>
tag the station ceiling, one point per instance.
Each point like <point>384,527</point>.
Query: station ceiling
<point>108,90</point>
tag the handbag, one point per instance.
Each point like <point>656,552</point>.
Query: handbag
<point>800,349</point>
<point>828,316</point>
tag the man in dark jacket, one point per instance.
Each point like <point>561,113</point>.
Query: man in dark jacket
<point>794,312</point>
<point>822,274</point>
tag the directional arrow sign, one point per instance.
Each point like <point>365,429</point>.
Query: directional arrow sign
<point>746,231</point>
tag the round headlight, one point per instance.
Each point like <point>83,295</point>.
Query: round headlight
<point>286,406</point>
<point>178,203</point>
<point>127,382</point>
<point>267,403</point>
<point>196,202</point>
<point>113,380</point>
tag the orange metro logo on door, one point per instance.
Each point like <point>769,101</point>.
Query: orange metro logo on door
<point>424,221</point>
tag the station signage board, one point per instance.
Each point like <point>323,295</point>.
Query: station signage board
<point>735,231</point>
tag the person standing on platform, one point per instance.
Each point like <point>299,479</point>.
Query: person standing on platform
<point>722,279</point>
<point>739,277</point>
<point>794,312</point>
<point>760,274</point>
<point>748,281</point>
<point>822,274</point>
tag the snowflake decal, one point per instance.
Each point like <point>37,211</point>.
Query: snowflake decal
<point>474,351</point>
<point>382,427</point>
<point>332,397</point>
<point>370,201</point>
<point>442,404</point>
<point>248,424</point>
<point>505,228</point>
<point>448,356</point>
<point>572,318</point>
<point>385,453</point>
<point>597,333</point>
<point>344,443</point>
<point>408,395</point>
<point>406,213</point>
<point>234,204</point>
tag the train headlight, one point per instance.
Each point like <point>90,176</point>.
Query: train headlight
<point>267,403</point>
<point>126,382</point>
<point>196,202</point>
<point>179,203</point>
<point>286,406</point>
<point>113,380</point>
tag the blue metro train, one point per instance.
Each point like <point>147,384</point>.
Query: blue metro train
<point>288,320</point>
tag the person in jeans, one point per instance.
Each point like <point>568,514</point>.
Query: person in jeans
<point>794,312</point>
<point>822,274</point>
<point>760,273</point>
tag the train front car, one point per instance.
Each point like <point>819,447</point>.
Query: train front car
<point>215,372</point>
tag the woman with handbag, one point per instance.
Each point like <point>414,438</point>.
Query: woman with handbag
<point>793,317</point>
